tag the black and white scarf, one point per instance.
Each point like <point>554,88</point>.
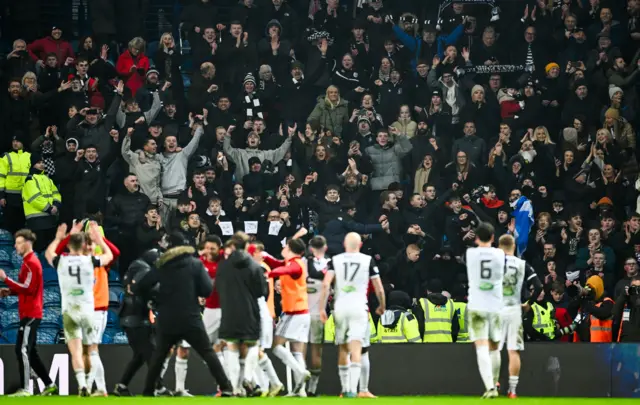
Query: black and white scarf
<point>492,69</point>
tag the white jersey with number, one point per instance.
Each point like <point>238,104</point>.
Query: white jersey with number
<point>314,286</point>
<point>485,272</point>
<point>514,276</point>
<point>76,279</point>
<point>352,274</point>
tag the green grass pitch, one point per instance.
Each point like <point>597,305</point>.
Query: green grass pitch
<point>442,400</point>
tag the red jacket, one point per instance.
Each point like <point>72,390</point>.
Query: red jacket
<point>28,288</point>
<point>132,79</point>
<point>213,301</point>
<point>39,49</point>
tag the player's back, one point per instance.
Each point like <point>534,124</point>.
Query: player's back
<point>314,286</point>
<point>76,278</point>
<point>485,272</point>
<point>352,274</point>
<point>514,275</point>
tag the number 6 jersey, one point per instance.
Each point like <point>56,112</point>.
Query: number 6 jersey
<point>485,271</point>
<point>352,274</point>
<point>76,278</point>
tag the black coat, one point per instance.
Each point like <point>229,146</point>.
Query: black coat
<point>126,210</point>
<point>240,282</point>
<point>183,279</point>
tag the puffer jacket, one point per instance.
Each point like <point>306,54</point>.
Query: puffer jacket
<point>387,162</point>
<point>332,119</point>
<point>39,49</point>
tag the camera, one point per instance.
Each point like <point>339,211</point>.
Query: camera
<point>575,290</point>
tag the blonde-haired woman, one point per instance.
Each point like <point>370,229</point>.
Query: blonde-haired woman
<point>133,65</point>
<point>167,60</point>
<point>332,112</point>
<point>30,81</point>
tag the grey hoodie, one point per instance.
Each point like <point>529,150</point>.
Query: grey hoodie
<point>241,156</point>
<point>174,166</point>
<point>148,170</point>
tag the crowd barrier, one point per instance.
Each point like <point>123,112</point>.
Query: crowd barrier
<point>548,369</point>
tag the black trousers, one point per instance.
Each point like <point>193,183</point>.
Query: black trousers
<point>142,344</point>
<point>28,357</point>
<point>196,336</point>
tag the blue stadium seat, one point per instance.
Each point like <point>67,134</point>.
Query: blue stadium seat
<point>52,316</point>
<point>107,337</point>
<point>47,336</point>
<point>16,260</point>
<point>6,238</point>
<point>50,277</point>
<point>120,338</point>
<point>11,302</point>
<point>13,273</point>
<point>114,275</point>
<point>9,336</point>
<point>5,259</point>
<point>8,249</point>
<point>43,261</point>
<point>113,320</point>
<point>116,288</point>
<point>114,299</point>
<point>9,319</point>
<point>51,297</point>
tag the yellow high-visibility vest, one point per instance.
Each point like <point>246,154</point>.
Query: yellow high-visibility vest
<point>461,310</point>
<point>437,321</point>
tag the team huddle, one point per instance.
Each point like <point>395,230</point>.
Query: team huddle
<point>306,279</point>
<point>496,278</point>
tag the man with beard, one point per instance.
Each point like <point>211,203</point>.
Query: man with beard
<point>146,166</point>
<point>580,103</point>
<point>145,95</point>
<point>242,156</point>
<point>15,117</point>
<point>91,129</point>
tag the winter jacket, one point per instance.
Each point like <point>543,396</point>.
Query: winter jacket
<point>174,166</point>
<point>40,48</point>
<point>135,79</point>
<point>241,156</point>
<point>332,119</point>
<point>98,134</point>
<point>240,282</point>
<point>147,169</point>
<point>126,210</point>
<point>387,162</point>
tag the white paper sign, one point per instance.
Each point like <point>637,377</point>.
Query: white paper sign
<point>227,228</point>
<point>251,227</point>
<point>274,227</point>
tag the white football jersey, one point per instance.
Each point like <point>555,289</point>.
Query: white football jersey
<point>76,279</point>
<point>314,286</point>
<point>485,271</point>
<point>352,274</point>
<point>513,279</point>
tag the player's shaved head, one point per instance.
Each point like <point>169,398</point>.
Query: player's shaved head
<point>352,242</point>
<point>507,243</point>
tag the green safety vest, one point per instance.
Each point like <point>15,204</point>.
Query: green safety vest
<point>542,320</point>
<point>406,330</point>
<point>330,330</point>
<point>437,321</point>
<point>461,310</point>
<point>14,169</point>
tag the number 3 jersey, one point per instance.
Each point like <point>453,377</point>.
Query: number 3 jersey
<point>352,274</point>
<point>485,271</point>
<point>76,278</point>
<point>514,276</point>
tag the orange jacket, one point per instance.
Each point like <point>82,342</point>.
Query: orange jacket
<point>293,281</point>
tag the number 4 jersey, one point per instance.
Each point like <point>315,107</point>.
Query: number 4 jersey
<point>76,278</point>
<point>352,274</point>
<point>485,271</point>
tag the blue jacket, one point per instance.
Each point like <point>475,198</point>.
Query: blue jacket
<point>414,44</point>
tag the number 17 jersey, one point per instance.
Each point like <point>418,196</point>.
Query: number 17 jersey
<point>76,278</point>
<point>352,274</point>
<point>485,272</point>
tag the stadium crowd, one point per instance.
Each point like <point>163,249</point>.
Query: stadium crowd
<point>408,122</point>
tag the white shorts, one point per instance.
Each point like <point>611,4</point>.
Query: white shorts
<point>99,326</point>
<point>512,333</point>
<point>316,331</point>
<point>79,325</point>
<point>266,325</point>
<point>366,342</point>
<point>212,317</point>
<point>294,328</point>
<point>351,326</point>
<point>484,326</point>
